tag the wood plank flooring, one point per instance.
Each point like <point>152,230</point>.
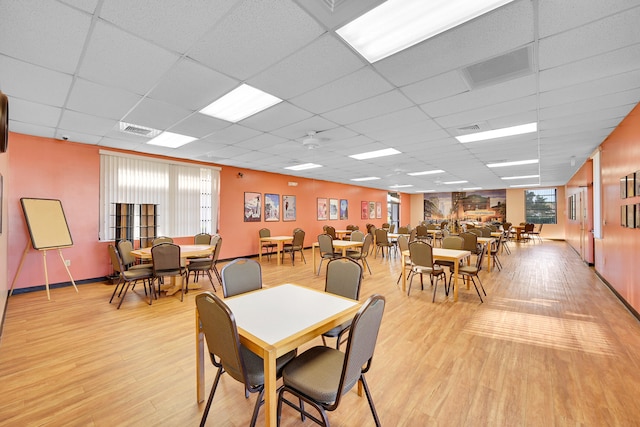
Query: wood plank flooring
<point>551,346</point>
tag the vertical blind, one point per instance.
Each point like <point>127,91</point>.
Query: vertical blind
<point>186,195</point>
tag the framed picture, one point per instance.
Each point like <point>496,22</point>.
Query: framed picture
<point>364,210</point>
<point>372,210</point>
<point>623,215</point>
<point>378,210</point>
<point>631,216</point>
<point>271,207</point>
<point>637,174</point>
<point>289,206</point>
<point>623,187</point>
<point>333,208</point>
<point>322,209</point>
<point>638,216</point>
<point>631,185</point>
<point>252,207</point>
<point>344,209</point>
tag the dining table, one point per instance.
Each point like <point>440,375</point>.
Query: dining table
<point>273,321</point>
<point>343,245</point>
<point>487,242</point>
<point>519,229</point>
<point>454,255</point>
<point>278,240</point>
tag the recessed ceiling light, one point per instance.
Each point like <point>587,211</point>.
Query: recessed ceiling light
<point>498,133</point>
<point>455,182</point>
<point>401,186</point>
<point>374,154</point>
<point>516,163</point>
<point>367,178</point>
<point>303,166</point>
<point>425,191</point>
<point>240,103</point>
<point>171,140</point>
<point>398,24</point>
<point>506,178</point>
<point>524,185</point>
<point>426,172</point>
<point>471,188</point>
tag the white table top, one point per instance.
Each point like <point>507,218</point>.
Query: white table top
<point>275,314</point>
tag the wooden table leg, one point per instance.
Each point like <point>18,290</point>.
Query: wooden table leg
<point>278,250</point>
<point>270,389</point>
<point>455,280</point>
<point>404,272</point>
<point>313,255</point>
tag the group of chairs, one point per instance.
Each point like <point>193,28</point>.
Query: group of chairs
<point>296,245</point>
<point>166,262</point>
<point>319,376</point>
<point>328,252</point>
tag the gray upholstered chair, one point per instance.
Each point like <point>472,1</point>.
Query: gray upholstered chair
<point>321,375</point>
<point>343,278</point>
<point>297,245</point>
<point>241,275</point>
<point>129,261</point>
<point>471,242</point>
<point>362,254</point>
<point>202,239</point>
<point>127,277</point>
<point>472,271</point>
<point>167,263</point>
<point>161,239</point>
<point>450,242</point>
<point>422,263</point>
<point>325,245</point>
<point>228,355</point>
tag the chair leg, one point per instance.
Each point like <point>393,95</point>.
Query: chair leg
<point>256,408</point>
<point>126,288</point>
<point>302,255</point>
<point>115,290</point>
<point>364,261</point>
<point>210,399</point>
<point>370,400</point>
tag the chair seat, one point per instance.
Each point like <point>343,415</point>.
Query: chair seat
<point>467,269</point>
<point>255,366</point>
<point>139,273</point>
<point>332,333</point>
<point>316,373</point>
<point>140,267</point>
<point>201,264</point>
<point>428,270</point>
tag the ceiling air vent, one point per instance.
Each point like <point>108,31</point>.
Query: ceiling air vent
<point>138,130</point>
<point>511,65</point>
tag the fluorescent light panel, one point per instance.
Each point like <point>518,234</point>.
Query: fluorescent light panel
<point>455,182</point>
<point>240,103</point>
<point>303,166</point>
<point>374,154</point>
<point>425,172</point>
<point>524,185</point>
<point>171,140</point>
<point>471,188</point>
<point>425,191</point>
<point>366,178</point>
<point>398,24</point>
<point>516,163</point>
<point>401,186</point>
<point>506,178</point>
<point>498,133</point>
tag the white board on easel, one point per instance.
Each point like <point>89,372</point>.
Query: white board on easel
<point>48,229</point>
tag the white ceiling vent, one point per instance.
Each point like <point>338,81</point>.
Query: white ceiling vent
<point>501,68</point>
<point>472,128</point>
<point>139,130</point>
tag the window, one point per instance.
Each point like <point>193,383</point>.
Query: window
<point>186,195</point>
<point>540,206</point>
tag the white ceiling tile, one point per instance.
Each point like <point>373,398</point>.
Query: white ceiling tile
<point>278,116</point>
<point>232,134</point>
<point>198,125</point>
<point>466,118</point>
<point>156,114</point>
<point>372,107</point>
<point>38,114</point>
<point>559,16</point>
<point>84,123</point>
<point>31,82</point>
<point>435,88</point>
<point>114,103</point>
<point>86,5</point>
<point>116,58</point>
<point>31,129</point>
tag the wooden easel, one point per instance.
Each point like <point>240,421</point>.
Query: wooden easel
<point>44,261</point>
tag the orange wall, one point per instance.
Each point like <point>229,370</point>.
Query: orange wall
<point>581,186</point>
<point>48,168</point>
<point>616,257</point>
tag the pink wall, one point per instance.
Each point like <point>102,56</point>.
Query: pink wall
<point>48,168</point>
<point>616,257</point>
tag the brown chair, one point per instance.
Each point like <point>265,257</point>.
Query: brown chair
<point>382,242</point>
<point>363,253</point>
<point>450,242</point>
<point>129,261</point>
<point>321,375</point>
<point>228,355</point>
<point>205,265</point>
<point>297,245</point>
<point>331,231</point>
<point>422,263</point>
<point>472,272</point>
<point>167,263</point>
<point>202,239</point>
<point>127,277</point>
<point>162,239</point>
<point>267,247</point>
<point>325,245</point>
<point>535,233</point>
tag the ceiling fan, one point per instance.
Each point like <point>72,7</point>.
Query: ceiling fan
<point>312,141</point>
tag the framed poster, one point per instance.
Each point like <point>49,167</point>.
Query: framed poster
<point>344,209</point>
<point>631,185</point>
<point>333,208</point>
<point>364,210</point>
<point>623,215</point>
<point>638,216</point>
<point>631,216</point>
<point>271,207</point>
<point>378,210</point>
<point>623,187</point>
<point>372,210</point>
<point>322,209</point>
<point>637,174</point>
<point>252,207</point>
<point>289,205</point>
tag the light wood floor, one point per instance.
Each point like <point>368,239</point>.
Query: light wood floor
<point>551,346</point>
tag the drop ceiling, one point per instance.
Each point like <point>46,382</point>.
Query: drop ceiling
<point>77,68</point>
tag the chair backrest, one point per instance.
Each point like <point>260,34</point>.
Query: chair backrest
<point>361,343</point>
<point>162,239</point>
<point>413,234</point>
<point>453,242</point>
<point>241,275</point>
<point>528,227</point>
<point>325,243</point>
<point>403,230</point>
<point>386,226</point>
<point>298,239</point>
<point>124,250</point>
<point>202,239</point>
<point>381,236</point>
<point>433,227</point>
<point>443,225</point>
<point>470,242</point>
<point>485,232</point>
<point>421,231</point>
<point>214,240</point>
<point>221,334</point>
<point>344,276</point>
<point>421,253</point>
<point>357,236</point>
<point>116,262</point>
<point>264,232</point>
<point>483,250</point>
<point>403,243</point>
<point>492,227</point>
<point>366,245</point>
<point>216,251</point>
<point>165,256</point>
<point>539,228</point>
<point>331,231</point>
<point>475,231</point>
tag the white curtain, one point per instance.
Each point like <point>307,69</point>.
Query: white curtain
<point>187,195</point>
